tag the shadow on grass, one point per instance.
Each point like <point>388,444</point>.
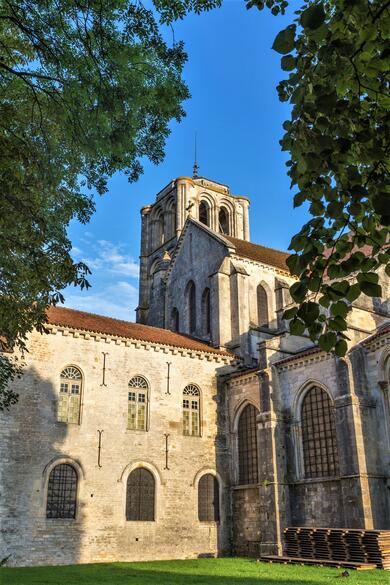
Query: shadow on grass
<point>204,572</point>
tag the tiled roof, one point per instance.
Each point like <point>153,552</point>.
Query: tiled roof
<point>382,330</point>
<point>259,253</point>
<point>299,355</point>
<point>62,316</point>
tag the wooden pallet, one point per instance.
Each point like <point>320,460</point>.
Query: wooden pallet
<point>318,562</point>
<point>339,544</point>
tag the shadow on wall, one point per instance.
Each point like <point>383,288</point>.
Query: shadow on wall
<point>30,447</point>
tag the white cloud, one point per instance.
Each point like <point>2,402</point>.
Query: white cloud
<point>117,300</point>
<point>108,257</point>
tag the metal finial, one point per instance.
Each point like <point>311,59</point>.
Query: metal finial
<point>196,166</point>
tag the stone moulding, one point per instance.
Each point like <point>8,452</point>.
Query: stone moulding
<point>139,344</point>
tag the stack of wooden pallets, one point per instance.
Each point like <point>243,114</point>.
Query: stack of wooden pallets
<point>339,544</point>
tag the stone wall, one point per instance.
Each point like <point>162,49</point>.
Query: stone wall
<point>32,442</point>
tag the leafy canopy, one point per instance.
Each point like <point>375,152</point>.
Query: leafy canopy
<point>87,88</point>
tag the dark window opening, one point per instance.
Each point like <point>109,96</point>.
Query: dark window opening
<point>247,446</point>
<point>191,304</point>
<point>175,319</point>
<point>206,311</point>
<point>208,498</point>
<point>320,453</point>
<point>223,219</point>
<point>204,213</point>
<point>262,307</point>
<point>140,495</point>
<point>62,492</point>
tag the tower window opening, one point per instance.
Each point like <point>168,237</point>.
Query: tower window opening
<point>223,220</point>
<point>204,215</point>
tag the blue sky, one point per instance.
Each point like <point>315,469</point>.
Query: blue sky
<point>232,74</point>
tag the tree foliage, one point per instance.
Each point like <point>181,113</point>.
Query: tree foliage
<point>87,88</point>
<point>337,55</point>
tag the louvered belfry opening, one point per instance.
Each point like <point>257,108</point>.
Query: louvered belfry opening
<point>140,495</point>
<point>208,498</point>
<point>62,492</point>
<point>319,442</point>
<point>247,446</point>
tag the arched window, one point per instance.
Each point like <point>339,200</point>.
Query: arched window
<point>62,492</point>
<point>140,495</point>
<point>191,306</point>
<point>320,454</point>
<point>223,220</point>
<point>69,399</point>
<point>158,229</point>
<point>175,319</point>
<point>137,404</point>
<point>247,446</point>
<point>204,213</point>
<point>191,411</point>
<point>262,307</point>
<point>208,498</point>
<point>170,220</point>
<point>206,312</point>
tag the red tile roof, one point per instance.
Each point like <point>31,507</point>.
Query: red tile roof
<point>73,319</point>
<point>382,330</point>
<point>259,253</point>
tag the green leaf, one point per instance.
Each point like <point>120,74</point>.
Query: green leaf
<point>371,289</point>
<point>313,17</point>
<point>309,312</point>
<point>285,40</point>
<point>288,63</point>
<point>297,327</point>
<point>339,309</point>
<point>327,340</point>
<point>353,293</point>
<point>341,348</point>
<point>368,277</point>
<point>290,313</point>
<point>298,291</point>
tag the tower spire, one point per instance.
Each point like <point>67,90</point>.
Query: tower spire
<point>196,166</point>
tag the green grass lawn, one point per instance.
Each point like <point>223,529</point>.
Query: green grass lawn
<point>192,572</point>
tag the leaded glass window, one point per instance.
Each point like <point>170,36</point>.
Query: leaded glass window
<point>137,409</point>
<point>191,411</point>
<point>69,399</point>
<point>319,443</point>
<point>140,495</point>
<point>247,446</point>
<point>208,498</point>
<point>62,492</point>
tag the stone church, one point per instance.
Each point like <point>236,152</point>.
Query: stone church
<point>205,428</point>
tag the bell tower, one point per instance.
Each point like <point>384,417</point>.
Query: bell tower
<point>206,201</point>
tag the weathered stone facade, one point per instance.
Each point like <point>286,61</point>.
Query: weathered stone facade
<point>293,435</point>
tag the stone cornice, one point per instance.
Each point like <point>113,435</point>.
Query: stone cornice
<point>302,360</point>
<point>139,344</point>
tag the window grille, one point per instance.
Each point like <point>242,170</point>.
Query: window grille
<point>62,492</point>
<point>320,453</point>
<point>247,446</point>
<point>69,399</point>
<point>191,303</point>
<point>140,495</point>
<point>137,404</point>
<point>191,411</point>
<point>262,307</point>
<point>208,498</point>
